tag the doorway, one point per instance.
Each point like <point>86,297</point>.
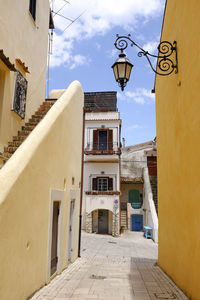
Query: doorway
<point>103,221</point>
<point>54,242</point>
<point>137,222</point>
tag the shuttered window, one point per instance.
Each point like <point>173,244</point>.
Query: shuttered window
<point>103,139</point>
<point>110,139</point>
<point>95,139</point>
<point>94,184</point>
<point>102,184</point>
<point>110,184</point>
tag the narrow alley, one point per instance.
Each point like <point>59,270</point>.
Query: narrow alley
<point>121,268</point>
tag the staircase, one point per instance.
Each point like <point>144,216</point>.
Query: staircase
<point>26,130</point>
<point>124,219</point>
<point>153,181</point>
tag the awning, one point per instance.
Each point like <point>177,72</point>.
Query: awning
<point>6,61</point>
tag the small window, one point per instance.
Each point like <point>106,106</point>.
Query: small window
<point>32,8</point>
<point>102,184</point>
<point>19,105</point>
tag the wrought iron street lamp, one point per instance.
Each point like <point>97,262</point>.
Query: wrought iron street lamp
<point>167,54</point>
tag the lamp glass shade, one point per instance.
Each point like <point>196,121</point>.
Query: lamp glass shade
<point>122,68</point>
<point>128,71</point>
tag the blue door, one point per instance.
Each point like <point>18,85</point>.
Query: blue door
<point>137,222</point>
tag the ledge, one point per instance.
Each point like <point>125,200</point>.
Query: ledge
<point>102,193</point>
<point>102,152</point>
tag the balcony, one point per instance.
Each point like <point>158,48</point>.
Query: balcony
<point>102,149</point>
<point>102,193</point>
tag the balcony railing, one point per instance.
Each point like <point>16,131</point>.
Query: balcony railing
<point>103,148</point>
<point>102,192</point>
<point>136,205</point>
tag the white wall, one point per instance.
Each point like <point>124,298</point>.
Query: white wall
<point>92,125</point>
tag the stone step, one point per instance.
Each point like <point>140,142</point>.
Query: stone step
<point>26,129</point>
<point>14,144</point>
<point>10,149</point>
<point>19,138</point>
<point>24,132</point>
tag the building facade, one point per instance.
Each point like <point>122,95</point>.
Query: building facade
<point>101,187</point>
<point>40,160</point>
<point>23,60</point>
<point>138,188</point>
<point>178,148</point>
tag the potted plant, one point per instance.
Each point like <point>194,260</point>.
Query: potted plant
<point>122,229</point>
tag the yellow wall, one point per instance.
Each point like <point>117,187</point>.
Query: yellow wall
<point>47,159</point>
<point>178,147</point>
<point>27,40</point>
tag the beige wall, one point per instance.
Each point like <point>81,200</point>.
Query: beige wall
<point>178,148</point>
<point>27,40</point>
<point>46,161</point>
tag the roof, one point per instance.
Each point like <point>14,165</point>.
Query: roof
<point>6,61</point>
<point>137,147</point>
<point>131,180</point>
<point>100,101</point>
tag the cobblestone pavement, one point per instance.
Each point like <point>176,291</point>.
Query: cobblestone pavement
<point>110,268</point>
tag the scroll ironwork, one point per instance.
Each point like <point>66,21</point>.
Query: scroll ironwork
<point>166,62</point>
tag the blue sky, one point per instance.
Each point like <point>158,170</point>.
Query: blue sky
<point>85,52</point>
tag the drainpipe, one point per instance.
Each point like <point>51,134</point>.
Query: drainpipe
<point>81,191</point>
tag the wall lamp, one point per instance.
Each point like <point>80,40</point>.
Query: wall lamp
<point>167,54</point>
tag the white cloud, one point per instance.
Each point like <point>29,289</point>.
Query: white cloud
<point>113,53</point>
<point>98,18</point>
<point>135,126</point>
<point>139,95</point>
<point>78,60</point>
<point>151,47</point>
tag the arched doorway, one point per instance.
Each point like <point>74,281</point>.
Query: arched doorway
<point>134,198</point>
<point>102,221</point>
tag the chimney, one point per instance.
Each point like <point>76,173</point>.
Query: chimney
<point>123,142</point>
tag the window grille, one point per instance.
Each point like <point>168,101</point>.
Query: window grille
<point>102,184</point>
<point>19,105</point>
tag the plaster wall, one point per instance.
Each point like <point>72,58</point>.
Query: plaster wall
<point>133,161</point>
<point>26,39</point>
<point>95,169</point>
<point>94,202</point>
<point>90,126</point>
<point>42,165</point>
<point>178,148</point>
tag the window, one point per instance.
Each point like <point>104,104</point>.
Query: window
<point>32,8</point>
<point>134,199</point>
<point>19,105</point>
<point>102,184</point>
<point>102,139</point>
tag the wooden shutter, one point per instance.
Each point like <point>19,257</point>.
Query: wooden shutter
<point>95,139</point>
<point>110,139</point>
<point>94,184</point>
<point>110,184</point>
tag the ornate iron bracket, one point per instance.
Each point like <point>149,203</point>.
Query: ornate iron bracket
<point>165,50</point>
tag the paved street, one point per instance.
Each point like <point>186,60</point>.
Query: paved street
<point>110,268</point>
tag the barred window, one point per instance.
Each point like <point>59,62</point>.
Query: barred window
<point>19,105</point>
<point>102,184</point>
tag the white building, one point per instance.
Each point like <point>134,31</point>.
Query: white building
<point>139,187</point>
<point>101,186</point>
